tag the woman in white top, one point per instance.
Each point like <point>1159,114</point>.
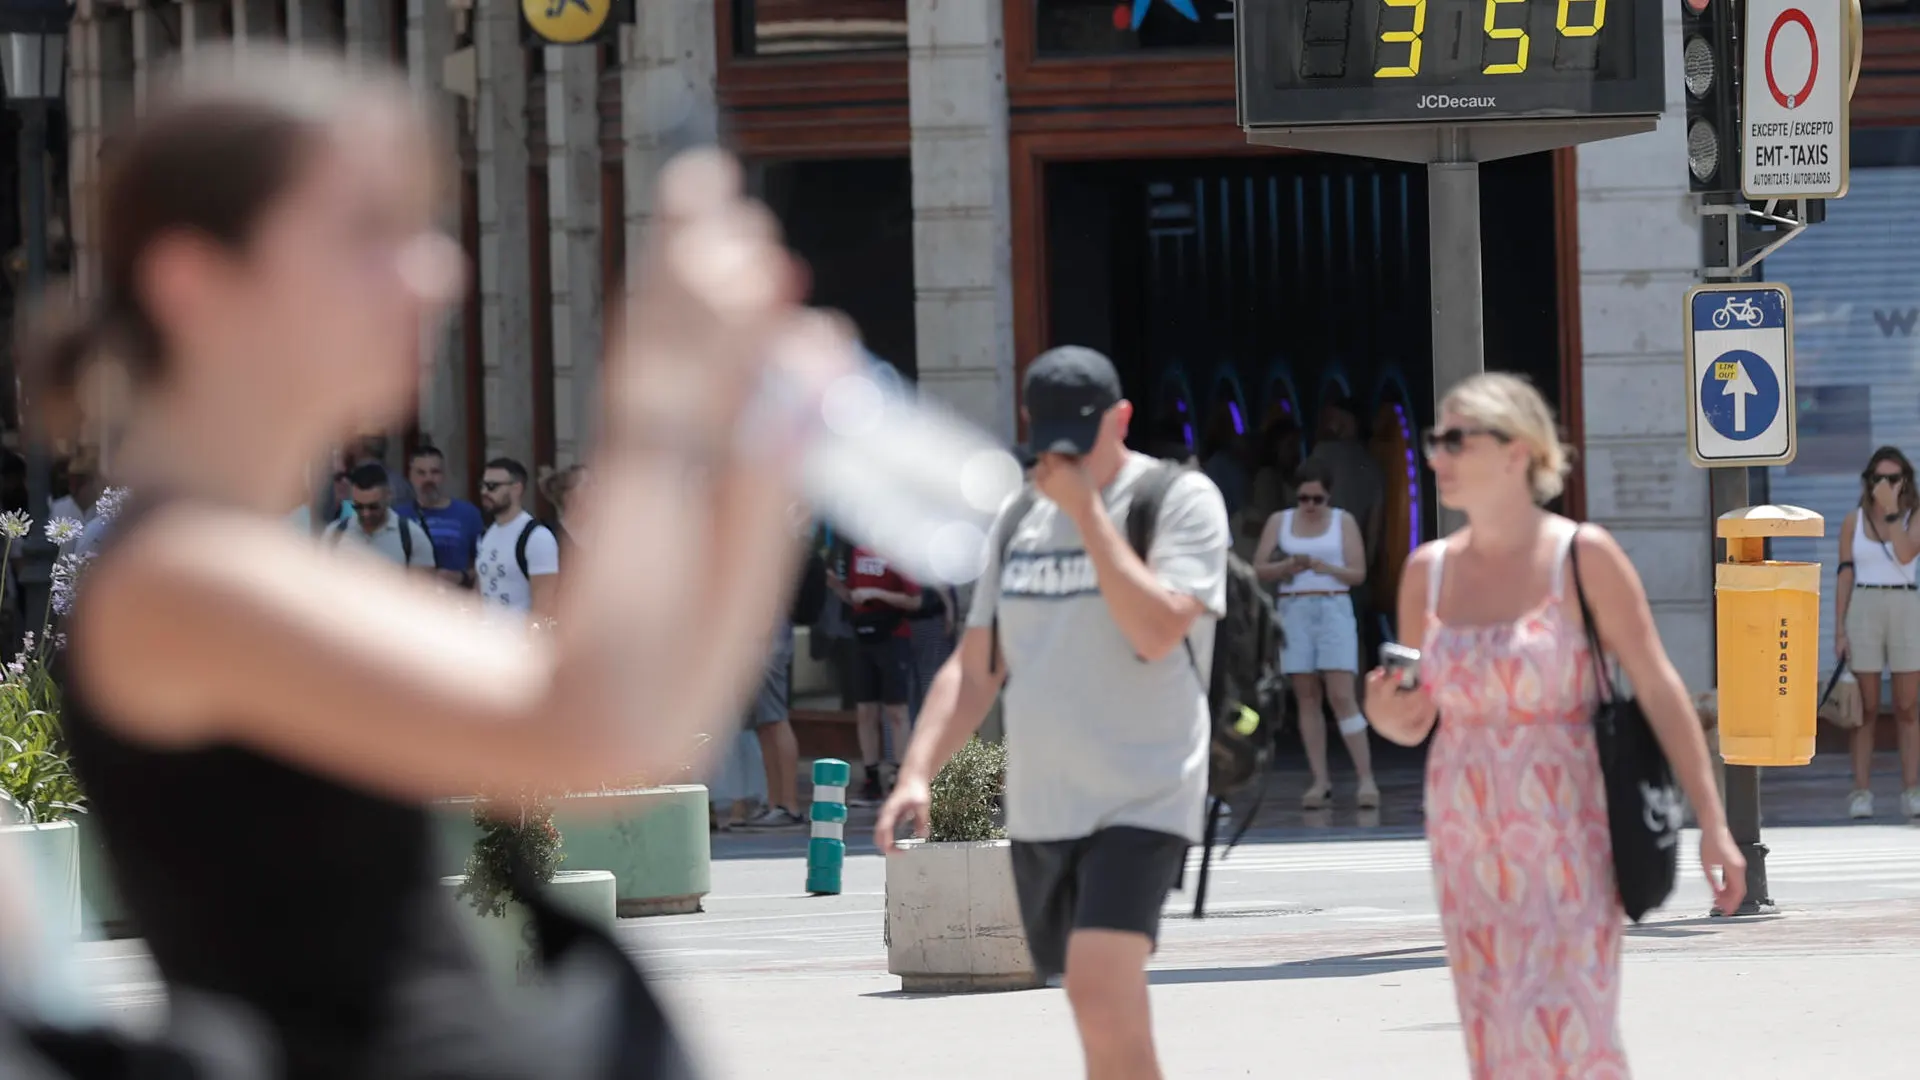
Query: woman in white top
<point>1313,553</point>
<point>1877,612</point>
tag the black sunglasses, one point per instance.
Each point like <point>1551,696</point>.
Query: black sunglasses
<point>494,485</point>
<point>1310,500</point>
<point>1454,439</point>
<point>369,509</point>
<point>1887,478</point>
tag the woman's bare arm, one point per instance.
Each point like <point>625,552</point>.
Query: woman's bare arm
<point>210,626</point>
<point>1843,579</point>
<point>1269,565</point>
<point>1625,624</point>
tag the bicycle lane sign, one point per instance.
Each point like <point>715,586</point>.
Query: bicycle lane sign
<point>1740,394</point>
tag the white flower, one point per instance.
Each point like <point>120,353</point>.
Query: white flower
<point>64,530</point>
<point>15,524</point>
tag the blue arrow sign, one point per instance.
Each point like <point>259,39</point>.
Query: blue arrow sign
<point>1740,355</point>
<point>1739,394</point>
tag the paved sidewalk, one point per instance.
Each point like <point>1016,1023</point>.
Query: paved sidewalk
<point>1819,994</point>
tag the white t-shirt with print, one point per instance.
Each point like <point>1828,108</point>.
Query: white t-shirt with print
<point>1095,737</point>
<point>501,583</point>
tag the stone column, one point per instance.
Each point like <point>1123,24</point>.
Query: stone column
<point>443,393</point>
<point>152,45</point>
<point>368,30</point>
<point>256,20</point>
<point>1639,250</point>
<point>99,100</point>
<point>573,215</point>
<point>667,72</point>
<point>500,137</point>
<point>199,25</point>
<point>962,209</point>
<point>314,24</point>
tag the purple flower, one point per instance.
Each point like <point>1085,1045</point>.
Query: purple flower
<point>66,579</point>
<point>109,503</point>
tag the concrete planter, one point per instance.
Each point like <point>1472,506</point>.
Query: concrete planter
<point>953,919</point>
<point>654,841</point>
<point>507,943</point>
<point>53,852</point>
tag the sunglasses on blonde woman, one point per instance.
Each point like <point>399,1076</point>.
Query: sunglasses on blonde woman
<point>1454,439</point>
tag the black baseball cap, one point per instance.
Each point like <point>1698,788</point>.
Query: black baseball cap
<point>1068,391</point>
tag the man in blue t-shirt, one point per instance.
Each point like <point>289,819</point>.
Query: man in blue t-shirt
<point>454,524</point>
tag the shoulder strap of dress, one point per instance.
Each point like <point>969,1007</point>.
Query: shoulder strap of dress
<point>1434,573</point>
<point>1560,551</point>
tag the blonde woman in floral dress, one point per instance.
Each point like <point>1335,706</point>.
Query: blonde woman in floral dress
<point>1516,807</point>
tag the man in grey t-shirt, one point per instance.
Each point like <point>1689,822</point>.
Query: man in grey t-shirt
<point>1106,710</point>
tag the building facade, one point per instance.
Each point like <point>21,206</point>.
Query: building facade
<point>975,182</point>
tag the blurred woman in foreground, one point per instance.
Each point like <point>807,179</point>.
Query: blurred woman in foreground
<point>249,711</point>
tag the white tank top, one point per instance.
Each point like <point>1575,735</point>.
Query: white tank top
<point>1327,547</point>
<point>1873,560</point>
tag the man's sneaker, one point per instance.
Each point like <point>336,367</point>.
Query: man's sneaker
<point>1910,802</point>
<point>868,795</point>
<point>773,817</point>
<point>1860,805</point>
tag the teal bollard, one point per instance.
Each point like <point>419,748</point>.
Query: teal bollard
<point>827,850</point>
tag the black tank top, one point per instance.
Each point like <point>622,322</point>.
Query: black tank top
<point>313,905</point>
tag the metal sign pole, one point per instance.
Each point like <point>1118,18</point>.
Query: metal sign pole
<point>1454,289</point>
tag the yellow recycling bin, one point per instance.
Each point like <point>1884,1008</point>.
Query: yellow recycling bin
<point>1768,630</point>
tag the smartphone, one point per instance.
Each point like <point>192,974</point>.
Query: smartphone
<point>1405,662</point>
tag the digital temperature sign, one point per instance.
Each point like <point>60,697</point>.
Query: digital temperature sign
<point>1351,62</point>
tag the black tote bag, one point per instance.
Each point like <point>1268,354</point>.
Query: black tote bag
<point>1643,802</point>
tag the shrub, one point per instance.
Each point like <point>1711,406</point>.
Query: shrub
<point>966,794</point>
<point>512,830</point>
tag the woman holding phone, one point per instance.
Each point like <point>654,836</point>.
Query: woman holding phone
<point>1516,805</point>
<point>269,259</point>
<point>1877,609</point>
<point>1314,557</point>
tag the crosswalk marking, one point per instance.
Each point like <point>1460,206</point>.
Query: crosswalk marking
<point>1882,860</point>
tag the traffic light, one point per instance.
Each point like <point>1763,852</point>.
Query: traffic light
<point>1710,61</point>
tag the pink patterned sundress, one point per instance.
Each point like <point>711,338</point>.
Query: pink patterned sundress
<point>1522,857</point>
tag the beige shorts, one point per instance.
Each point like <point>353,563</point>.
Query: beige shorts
<point>1883,630</point>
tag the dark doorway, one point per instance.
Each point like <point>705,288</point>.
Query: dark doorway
<point>852,221</point>
<point>1275,282</point>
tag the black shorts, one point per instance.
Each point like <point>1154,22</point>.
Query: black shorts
<point>1116,879</point>
<point>882,670</point>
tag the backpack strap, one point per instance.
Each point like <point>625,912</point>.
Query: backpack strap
<point>406,540</point>
<point>1149,499</point>
<point>420,518</point>
<point>1143,522</point>
<point>520,547</point>
<point>1017,512</point>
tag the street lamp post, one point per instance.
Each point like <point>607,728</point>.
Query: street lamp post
<point>33,53</point>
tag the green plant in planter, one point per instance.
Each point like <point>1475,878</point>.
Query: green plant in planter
<point>966,795</point>
<point>36,775</point>
<point>519,828</point>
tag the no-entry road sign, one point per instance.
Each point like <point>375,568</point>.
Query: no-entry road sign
<point>1800,67</point>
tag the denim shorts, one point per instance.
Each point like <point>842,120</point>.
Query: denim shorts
<point>1320,632</point>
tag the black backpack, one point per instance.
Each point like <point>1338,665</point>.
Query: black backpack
<point>526,533</point>
<point>1243,689</point>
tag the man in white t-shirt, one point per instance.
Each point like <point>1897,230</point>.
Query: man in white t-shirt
<point>1107,723</point>
<point>398,540</point>
<point>518,564</point>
